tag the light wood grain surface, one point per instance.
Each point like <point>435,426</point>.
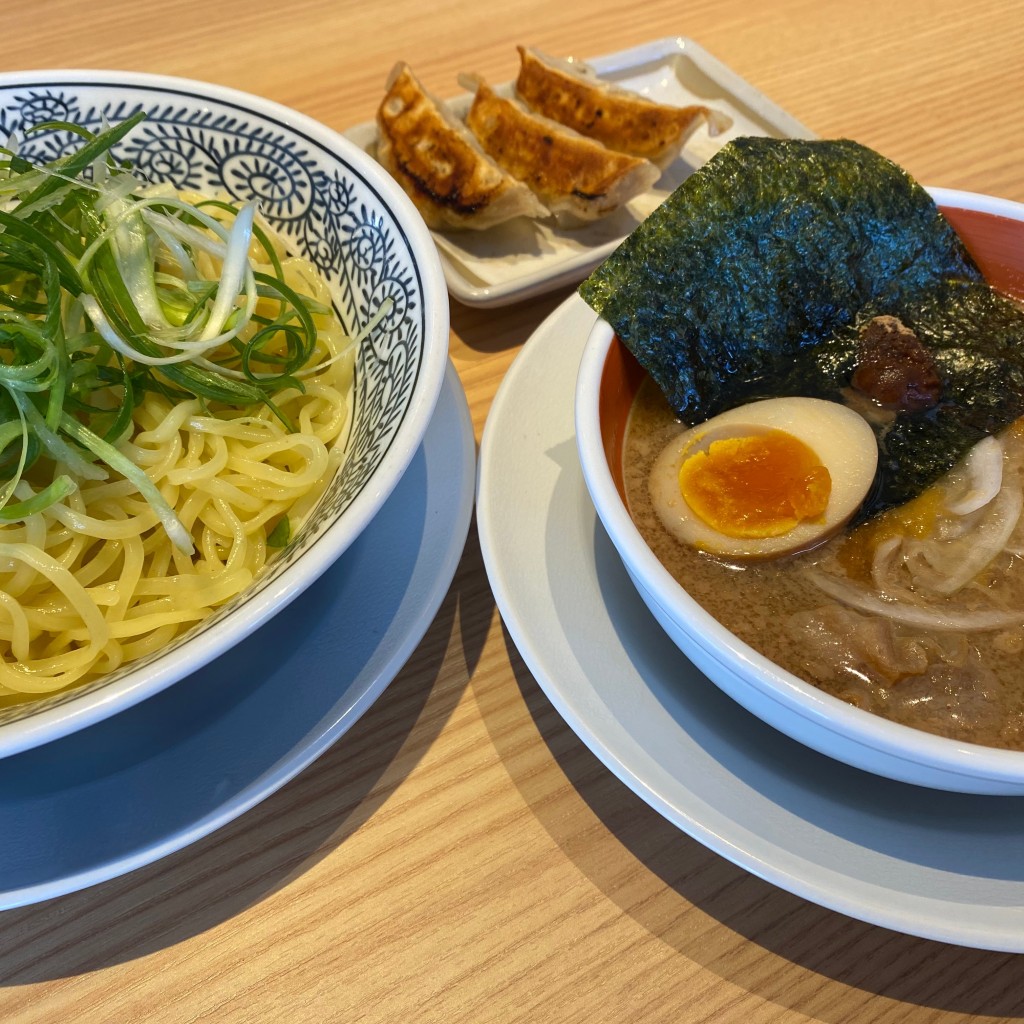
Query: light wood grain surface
<point>460,856</point>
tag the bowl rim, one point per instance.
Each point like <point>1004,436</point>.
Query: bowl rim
<point>903,742</point>
<point>75,713</point>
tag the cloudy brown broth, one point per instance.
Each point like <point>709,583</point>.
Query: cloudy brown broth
<point>967,686</point>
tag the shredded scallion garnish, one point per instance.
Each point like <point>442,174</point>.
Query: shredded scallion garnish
<point>106,282</point>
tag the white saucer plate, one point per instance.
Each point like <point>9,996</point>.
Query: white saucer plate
<point>170,770</point>
<point>938,865</point>
<point>522,259</point>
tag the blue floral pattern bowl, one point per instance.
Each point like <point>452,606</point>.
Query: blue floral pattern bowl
<point>333,205</point>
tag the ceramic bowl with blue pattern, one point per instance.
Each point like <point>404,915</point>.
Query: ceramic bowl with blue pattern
<point>332,204</point>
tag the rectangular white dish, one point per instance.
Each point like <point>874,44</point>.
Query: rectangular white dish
<point>521,259</point>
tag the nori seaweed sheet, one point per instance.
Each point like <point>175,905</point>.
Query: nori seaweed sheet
<point>976,338</point>
<point>752,278</point>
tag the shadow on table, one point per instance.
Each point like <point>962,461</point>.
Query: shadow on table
<point>220,876</point>
<point>796,934</point>
<point>476,326</point>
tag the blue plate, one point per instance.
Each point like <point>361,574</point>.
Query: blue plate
<point>164,773</point>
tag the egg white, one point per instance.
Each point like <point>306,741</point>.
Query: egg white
<point>841,438</point>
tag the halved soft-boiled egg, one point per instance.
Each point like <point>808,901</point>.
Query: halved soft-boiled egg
<point>765,479</point>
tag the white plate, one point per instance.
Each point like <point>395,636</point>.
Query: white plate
<point>939,865</point>
<point>170,770</point>
<point>521,259</point>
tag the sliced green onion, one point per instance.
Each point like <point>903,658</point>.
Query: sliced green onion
<point>58,448</point>
<point>281,534</point>
<point>123,465</point>
<point>55,492</point>
<point>101,288</point>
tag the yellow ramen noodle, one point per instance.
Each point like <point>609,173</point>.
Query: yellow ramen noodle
<point>95,581</point>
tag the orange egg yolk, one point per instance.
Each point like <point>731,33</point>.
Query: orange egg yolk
<point>757,486</point>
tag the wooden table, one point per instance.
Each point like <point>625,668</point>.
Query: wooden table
<point>460,856</point>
